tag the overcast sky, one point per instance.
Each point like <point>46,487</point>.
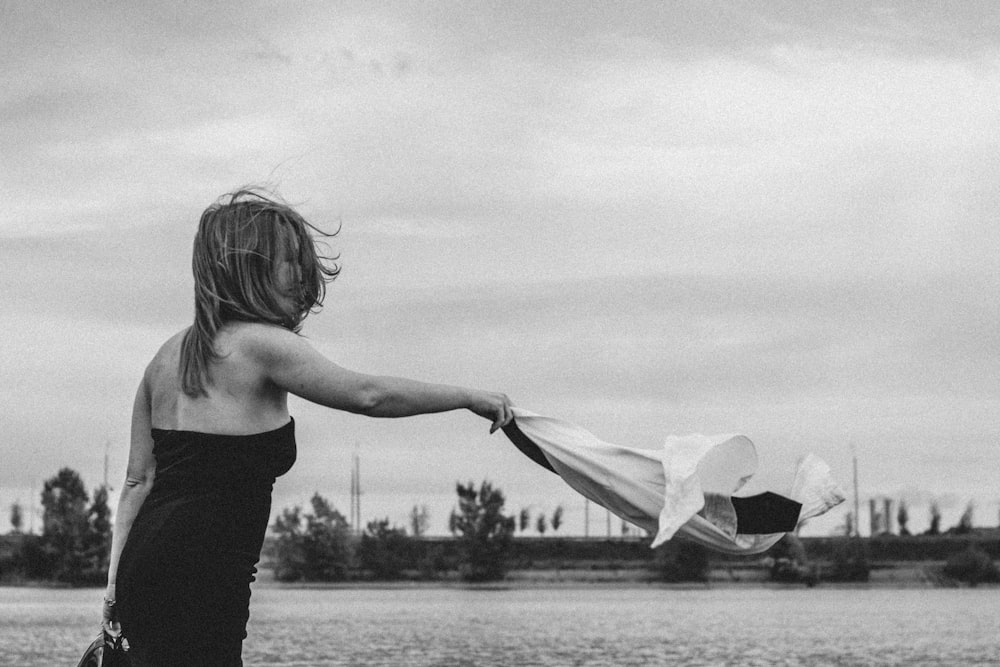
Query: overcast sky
<point>778,219</point>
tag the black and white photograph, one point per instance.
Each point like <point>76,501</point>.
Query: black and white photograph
<point>551,333</point>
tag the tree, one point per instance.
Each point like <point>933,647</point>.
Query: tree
<point>419,520</point>
<point>964,525</point>
<point>524,519</point>
<point>848,527</point>
<point>16,518</point>
<point>384,550</point>
<point>327,544</point>
<point>313,547</point>
<point>935,527</point>
<point>65,523</point>
<point>97,543</point>
<point>540,524</point>
<point>902,518</point>
<point>557,518</point>
<point>483,532</point>
<point>289,556</point>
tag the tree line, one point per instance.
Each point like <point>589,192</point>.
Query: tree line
<point>313,545</point>
<point>318,544</point>
<point>75,542</point>
<point>881,523</point>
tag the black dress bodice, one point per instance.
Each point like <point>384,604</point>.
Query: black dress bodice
<point>184,575</point>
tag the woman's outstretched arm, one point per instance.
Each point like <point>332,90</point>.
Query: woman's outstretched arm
<point>138,482</point>
<point>294,365</point>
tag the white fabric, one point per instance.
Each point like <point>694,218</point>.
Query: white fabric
<point>665,492</point>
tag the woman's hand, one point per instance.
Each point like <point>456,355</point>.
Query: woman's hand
<point>493,406</point>
<point>109,617</point>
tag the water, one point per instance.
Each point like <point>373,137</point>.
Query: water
<point>589,625</point>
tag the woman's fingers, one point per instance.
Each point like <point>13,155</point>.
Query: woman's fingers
<point>109,618</point>
<point>496,407</point>
<point>113,628</point>
<point>509,411</point>
<point>504,414</point>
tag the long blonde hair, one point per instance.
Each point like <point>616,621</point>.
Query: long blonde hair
<point>239,241</point>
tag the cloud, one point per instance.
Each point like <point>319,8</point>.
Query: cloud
<point>811,156</point>
<point>423,228</point>
<point>641,217</point>
<point>798,366</point>
<point>761,334</point>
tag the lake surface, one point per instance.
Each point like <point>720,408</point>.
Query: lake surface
<point>588,625</point>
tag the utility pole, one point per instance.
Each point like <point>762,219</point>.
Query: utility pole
<point>356,492</point>
<point>857,500</point>
<point>354,483</point>
<point>357,474</point>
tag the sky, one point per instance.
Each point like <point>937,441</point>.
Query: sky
<point>774,218</point>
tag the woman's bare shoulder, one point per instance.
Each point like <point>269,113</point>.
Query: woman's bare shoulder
<point>258,339</point>
<point>166,357</point>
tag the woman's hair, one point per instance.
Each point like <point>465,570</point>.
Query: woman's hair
<point>241,239</point>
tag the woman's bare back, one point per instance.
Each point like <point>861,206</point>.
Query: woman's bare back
<point>240,398</point>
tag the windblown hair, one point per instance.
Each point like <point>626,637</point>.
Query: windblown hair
<point>240,241</point>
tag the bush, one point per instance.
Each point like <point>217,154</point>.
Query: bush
<point>850,561</point>
<point>679,561</point>
<point>972,566</point>
<point>432,562</point>
<point>312,547</point>
<point>789,563</point>
<point>385,551</point>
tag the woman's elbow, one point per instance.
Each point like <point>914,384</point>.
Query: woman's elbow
<point>370,400</point>
<point>368,404</point>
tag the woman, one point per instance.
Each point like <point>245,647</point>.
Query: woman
<point>211,432</point>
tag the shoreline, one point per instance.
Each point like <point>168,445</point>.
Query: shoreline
<point>561,583</point>
<point>909,576</point>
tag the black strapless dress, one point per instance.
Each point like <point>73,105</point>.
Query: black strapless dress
<point>184,576</point>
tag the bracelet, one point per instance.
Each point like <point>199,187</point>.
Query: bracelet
<point>109,602</point>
